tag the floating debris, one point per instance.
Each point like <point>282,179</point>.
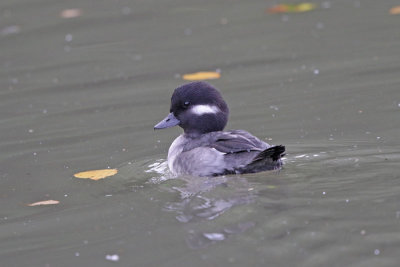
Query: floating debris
<point>96,174</point>
<point>203,75</point>
<point>71,13</point>
<point>291,8</point>
<point>274,107</point>
<point>44,202</point>
<point>113,257</point>
<point>395,10</point>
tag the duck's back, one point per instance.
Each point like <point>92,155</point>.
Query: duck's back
<point>218,153</point>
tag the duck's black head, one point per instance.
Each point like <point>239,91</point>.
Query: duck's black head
<point>198,108</point>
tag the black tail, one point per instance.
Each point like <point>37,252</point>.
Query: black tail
<point>274,153</point>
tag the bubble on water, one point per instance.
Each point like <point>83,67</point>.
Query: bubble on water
<point>377,252</point>
<point>113,257</point>
<point>316,71</point>
<point>31,131</point>
<point>68,37</point>
<point>77,254</point>
<point>274,107</point>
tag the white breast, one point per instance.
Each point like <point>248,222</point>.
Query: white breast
<point>199,161</point>
<point>174,150</point>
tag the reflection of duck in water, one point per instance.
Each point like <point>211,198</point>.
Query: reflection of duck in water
<point>204,149</point>
<point>203,199</point>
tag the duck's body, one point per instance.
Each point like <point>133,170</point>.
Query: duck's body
<point>204,149</point>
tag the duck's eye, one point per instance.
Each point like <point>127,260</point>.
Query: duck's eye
<point>186,104</point>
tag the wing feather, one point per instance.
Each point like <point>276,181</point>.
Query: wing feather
<point>238,141</point>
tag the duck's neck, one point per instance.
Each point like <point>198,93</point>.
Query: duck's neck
<point>192,134</point>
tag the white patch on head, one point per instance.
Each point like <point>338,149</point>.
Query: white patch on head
<point>204,109</point>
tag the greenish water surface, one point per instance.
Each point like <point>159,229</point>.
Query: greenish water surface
<point>83,93</point>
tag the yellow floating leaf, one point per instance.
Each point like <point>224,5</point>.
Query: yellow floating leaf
<point>71,13</point>
<point>96,174</point>
<point>303,7</point>
<point>44,202</point>
<point>395,10</point>
<point>203,75</point>
<point>271,186</point>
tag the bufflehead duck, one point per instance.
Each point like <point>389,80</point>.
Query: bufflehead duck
<point>204,149</point>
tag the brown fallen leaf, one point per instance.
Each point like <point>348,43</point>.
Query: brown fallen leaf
<point>44,202</point>
<point>70,13</point>
<point>203,75</point>
<point>395,10</point>
<point>96,174</point>
<point>291,8</point>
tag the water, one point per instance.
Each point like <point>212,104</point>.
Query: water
<point>83,93</point>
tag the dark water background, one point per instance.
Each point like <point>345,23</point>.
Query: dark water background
<point>84,93</point>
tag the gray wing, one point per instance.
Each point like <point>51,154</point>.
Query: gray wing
<point>237,141</point>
